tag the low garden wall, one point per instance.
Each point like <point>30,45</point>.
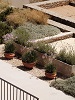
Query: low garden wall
<point>55,4</point>
<point>21,49</point>
<point>64,68</point>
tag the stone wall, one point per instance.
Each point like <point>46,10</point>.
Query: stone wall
<point>64,68</point>
<point>55,4</point>
<point>72,1</point>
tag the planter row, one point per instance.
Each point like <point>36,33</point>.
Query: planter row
<point>62,68</point>
<point>43,59</point>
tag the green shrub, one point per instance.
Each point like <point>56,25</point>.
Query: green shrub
<point>67,57</point>
<point>31,31</point>
<point>67,86</point>
<point>4,13</point>
<point>44,48</point>
<point>50,68</point>
<point>22,36</point>
<point>62,55</point>
<point>29,57</point>
<point>40,31</point>
<point>4,29</point>
<point>9,47</point>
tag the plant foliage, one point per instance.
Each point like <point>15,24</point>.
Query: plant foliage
<point>22,36</point>
<point>4,29</point>
<point>50,68</point>
<point>29,57</point>
<point>20,16</point>
<point>67,86</point>
<point>40,31</point>
<point>67,57</point>
<point>44,48</point>
<point>9,48</point>
<point>4,13</point>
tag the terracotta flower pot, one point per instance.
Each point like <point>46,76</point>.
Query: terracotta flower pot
<point>29,65</point>
<point>9,55</point>
<point>50,75</point>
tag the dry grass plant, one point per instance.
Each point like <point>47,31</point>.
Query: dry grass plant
<point>20,16</point>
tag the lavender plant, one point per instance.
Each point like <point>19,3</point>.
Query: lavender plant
<point>8,37</point>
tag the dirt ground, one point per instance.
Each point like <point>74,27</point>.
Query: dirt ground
<point>17,62</point>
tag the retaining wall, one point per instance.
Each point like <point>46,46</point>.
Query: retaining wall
<point>64,68</point>
<point>55,4</point>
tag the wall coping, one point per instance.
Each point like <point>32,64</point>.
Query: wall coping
<point>54,38</point>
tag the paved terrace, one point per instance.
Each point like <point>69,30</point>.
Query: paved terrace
<point>71,21</point>
<point>30,83</point>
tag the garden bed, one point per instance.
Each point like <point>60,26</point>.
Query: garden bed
<point>38,31</point>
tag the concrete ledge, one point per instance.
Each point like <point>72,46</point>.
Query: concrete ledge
<point>61,26</point>
<point>51,39</point>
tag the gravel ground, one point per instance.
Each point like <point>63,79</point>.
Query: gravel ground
<point>16,62</point>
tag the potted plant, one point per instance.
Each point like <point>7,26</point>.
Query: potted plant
<point>50,71</point>
<point>9,51</point>
<point>29,59</point>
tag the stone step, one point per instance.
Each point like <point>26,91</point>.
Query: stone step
<point>62,19</point>
<point>61,26</point>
